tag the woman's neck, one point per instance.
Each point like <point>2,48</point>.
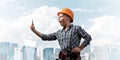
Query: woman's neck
<point>67,27</point>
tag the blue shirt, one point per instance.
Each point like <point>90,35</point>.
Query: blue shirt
<point>70,38</point>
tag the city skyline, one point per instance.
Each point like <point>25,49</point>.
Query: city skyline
<point>28,52</point>
<point>9,51</point>
<point>100,18</point>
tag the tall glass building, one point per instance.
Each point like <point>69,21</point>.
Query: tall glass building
<point>29,53</point>
<point>84,52</point>
<point>17,54</point>
<point>56,53</point>
<point>12,48</point>
<point>47,52</point>
<point>101,53</point>
<point>115,53</point>
<point>7,50</point>
<point>57,50</point>
<point>4,50</point>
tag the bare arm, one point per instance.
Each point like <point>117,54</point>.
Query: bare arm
<point>82,46</point>
<point>32,27</point>
<point>44,37</point>
<point>78,49</point>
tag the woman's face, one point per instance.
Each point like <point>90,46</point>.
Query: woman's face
<point>62,19</point>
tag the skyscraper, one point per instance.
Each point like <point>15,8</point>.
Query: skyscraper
<point>85,53</point>
<point>7,50</point>
<point>57,50</point>
<point>17,54</point>
<point>55,55</point>
<point>115,52</point>
<point>11,52</point>
<point>101,53</point>
<point>47,52</point>
<point>29,53</point>
<point>4,50</point>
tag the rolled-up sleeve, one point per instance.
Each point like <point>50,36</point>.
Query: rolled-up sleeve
<point>82,33</point>
<point>49,37</point>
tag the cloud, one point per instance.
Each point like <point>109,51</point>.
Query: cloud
<point>89,10</point>
<point>21,8</point>
<point>3,2</point>
<point>30,43</point>
<point>82,10</point>
<point>18,30</point>
<point>105,30</point>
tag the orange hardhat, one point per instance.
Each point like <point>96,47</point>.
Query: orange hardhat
<point>67,12</point>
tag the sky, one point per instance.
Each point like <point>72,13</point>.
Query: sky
<point>100,18</point>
